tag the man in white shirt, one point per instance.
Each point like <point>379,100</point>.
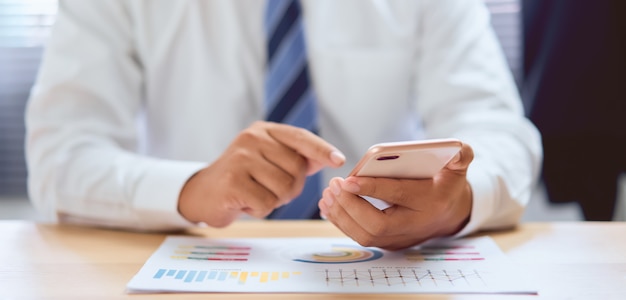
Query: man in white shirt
<point>145,116</point>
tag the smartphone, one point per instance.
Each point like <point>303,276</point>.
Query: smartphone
<point>405,160</point>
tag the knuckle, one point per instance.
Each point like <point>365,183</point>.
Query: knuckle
<point>247,136</point>
<point>374,234</point>
<point>300,134</point>
<point>369,186</point>
<point>220,222</point>
<point>379,229</point>
<point>295,188</point>
<point>259,124</point>
<point>301,163</point>
<point>400,196</point>
<point>263,210</point>
<point>290,187</point>
<point>241,155</point>
<point>287,195</point>
<point>228,178</point>
<point>366,240</point>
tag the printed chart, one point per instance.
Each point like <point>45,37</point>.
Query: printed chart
<point>326,265</point>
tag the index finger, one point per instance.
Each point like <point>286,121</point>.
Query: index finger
<point>316,150</point>
<point>393,191</point>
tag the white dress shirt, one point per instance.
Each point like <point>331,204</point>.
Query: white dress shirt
<point>134,97</point>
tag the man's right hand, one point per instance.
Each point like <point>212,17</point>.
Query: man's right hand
<point>263,168</point>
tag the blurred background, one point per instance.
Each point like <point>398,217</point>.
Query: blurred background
<point>26,24</point>
<point>24,27</point>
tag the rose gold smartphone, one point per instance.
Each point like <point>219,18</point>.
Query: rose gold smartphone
<point>405,160</point>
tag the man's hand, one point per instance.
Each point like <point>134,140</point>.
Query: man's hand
<point>264,167</point>
<point>421,209</point>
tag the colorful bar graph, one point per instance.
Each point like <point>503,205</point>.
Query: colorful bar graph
<point>444,253</point>
<point>211,253</point>
<point>214,247</point>
<point>179,257</point>
<point>189,276</point>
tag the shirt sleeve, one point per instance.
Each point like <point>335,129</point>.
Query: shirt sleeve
<point>83,153</point>
<point>466,90</point>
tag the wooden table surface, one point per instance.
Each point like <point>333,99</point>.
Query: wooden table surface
<point>577,260</point>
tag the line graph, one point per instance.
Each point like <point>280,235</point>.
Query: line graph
<point>402,276</point>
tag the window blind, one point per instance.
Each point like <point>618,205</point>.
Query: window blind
<point>506,21</point>
<point>24,26</point>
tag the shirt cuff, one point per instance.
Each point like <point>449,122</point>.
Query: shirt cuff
<point>156,196</point>
<point>483,200</point>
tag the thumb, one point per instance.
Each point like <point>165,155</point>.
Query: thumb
<point>462,160</point>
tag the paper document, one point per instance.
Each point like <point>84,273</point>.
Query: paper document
<point>326,265</point>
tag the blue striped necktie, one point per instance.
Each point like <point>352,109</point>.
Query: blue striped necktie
<point>289,98</point>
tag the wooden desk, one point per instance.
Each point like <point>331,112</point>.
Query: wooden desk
<point>40,261</point>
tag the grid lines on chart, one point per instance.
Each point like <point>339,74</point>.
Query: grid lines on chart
<point>402,277</point>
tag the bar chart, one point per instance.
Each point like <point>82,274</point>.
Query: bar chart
<point>217,276</point>
<point>444,253</point>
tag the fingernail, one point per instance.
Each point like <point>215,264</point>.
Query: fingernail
<point>323,209</point>
<point>337,157</point>
<point>351,187</point>
<point>335,187</point>
<point>328,201</point>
